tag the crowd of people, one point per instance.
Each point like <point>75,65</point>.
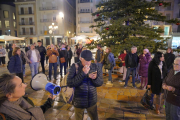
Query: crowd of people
<point>160,74</point>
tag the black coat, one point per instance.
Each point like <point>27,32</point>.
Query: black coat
<point>85,94</point>
<point>27,48</point>
<point>42,51</point>
<point>69,54</point>
<point>154,77</point>
<point>131,60</point>
<point>63,53</point>
<point>169,60</point>
<point>22,56</point>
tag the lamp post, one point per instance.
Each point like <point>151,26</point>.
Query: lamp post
<point>52,28</point>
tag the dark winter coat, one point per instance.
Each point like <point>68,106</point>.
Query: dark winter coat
<point>169,60</point>
<point>42,51</point>
<point>22,56</point>
<point>85,94</point>
<point>69,54</point>
<point>27,48</point>
<point>15,64</point>
<point>144,63</point>
<point>154,77</point>
<point>63,53</point>
<point>45,107</point>
<point>131,60</point>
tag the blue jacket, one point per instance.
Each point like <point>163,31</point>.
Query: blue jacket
<point>111,59</point>
<point>15,64</point>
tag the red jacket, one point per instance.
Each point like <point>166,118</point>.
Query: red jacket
<point>122,56</point>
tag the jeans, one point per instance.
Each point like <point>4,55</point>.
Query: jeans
<point>129,70</point>
<point>100,65</point>
<point>54,65</point>
<point>58,62</point>
<point>63,65</point>
<point>24,70</point>
<point>92,112</point>
<point>34,68</point>
<point>42,65</point>
<point>110,74</point>
<point>172,112</point>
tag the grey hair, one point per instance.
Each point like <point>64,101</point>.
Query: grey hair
<point>134,47</point>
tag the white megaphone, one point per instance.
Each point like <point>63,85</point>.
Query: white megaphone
<point>40,82</point>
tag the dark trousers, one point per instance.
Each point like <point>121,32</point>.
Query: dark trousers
<point>54,65</point>
<point>92,112</point>
<point>76,59</point>
<point>42,65</point>
<point>20,75</point>
<point>47,59</point>
<point>2,60</point>
<point>129,70</point>
<point>63,65</point>
<point>68,62</point>
<point>172,112</point>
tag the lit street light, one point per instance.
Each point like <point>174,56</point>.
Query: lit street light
<point>52,28</point>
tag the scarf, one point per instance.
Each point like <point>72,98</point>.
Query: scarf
<point>160,68</point>
<point>21,110</point>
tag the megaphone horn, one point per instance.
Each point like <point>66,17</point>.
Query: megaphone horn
<point>40,82</point>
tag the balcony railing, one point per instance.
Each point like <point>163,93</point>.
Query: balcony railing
<point>85,31</point>
<point>46,32</point>
<point>87,11</point>
<point>47,20</point>
<point>26,23</point>
<point>84,1</point>
<point>27,33</point>
<point>24,0</point>
<point>25,13</point>
<point>48,8</point>
<point>85,21</point>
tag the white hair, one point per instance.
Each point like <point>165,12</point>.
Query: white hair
<point>134,47</point>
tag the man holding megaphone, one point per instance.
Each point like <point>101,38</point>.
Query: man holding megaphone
<point>89,77</point>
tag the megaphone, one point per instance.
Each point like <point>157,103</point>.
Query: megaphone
<point>40,82</point>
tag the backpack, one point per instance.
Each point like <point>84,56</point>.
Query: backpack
<point>67,92</point>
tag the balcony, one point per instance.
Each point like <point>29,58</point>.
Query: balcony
<point>26,23</point>
<point>85,22</point>
<point>26,13</point>
<point>46,32</point>
<point>24,0</point>
<point>27,33</point>
<point>85,11</point>
<point>84,1</point>
<point>47,20</point>
<point>48,8</point>
<point>85,32</point>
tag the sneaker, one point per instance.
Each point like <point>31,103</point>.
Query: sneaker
<point>108,83</point>
<point>125,86</point>
<point>134,86</point>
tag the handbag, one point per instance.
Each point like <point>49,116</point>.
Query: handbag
<point>120,64</point>
<point>62,60</point>
<point>146,101</point>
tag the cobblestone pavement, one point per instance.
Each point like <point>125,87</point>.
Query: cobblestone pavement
<point>114,103</point>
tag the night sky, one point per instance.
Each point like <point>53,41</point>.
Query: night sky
<point>7,0</point>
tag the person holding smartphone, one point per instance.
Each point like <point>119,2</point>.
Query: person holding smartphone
<point>85,81</point>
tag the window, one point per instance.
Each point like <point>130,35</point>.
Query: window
<point>0,24</point>
<point>6,23</point>
<point>6,14</point>
<point>14,24</point>
<point>7,32</point>
<point>166,30</point>
<point>14,17</point>
<point>169,7</point>
<point>0,32</point>
<point>168,16</point>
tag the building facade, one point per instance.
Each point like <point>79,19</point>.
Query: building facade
<point>8,25</point>
<point>84,18</point>
<point>36,17</point>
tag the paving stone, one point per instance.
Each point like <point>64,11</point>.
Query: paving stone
<point>122,98</point>
<point>111,96</point>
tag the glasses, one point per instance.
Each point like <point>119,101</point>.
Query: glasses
<point>175,64</point>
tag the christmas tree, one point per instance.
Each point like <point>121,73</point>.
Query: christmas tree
<point>122,24</point>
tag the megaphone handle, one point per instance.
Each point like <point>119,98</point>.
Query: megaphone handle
<point>63,86</point>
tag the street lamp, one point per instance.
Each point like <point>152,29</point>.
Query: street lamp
<point>52,28</point>
<point>61,15</point>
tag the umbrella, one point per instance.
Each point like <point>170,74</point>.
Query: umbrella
<point>9,38</point>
